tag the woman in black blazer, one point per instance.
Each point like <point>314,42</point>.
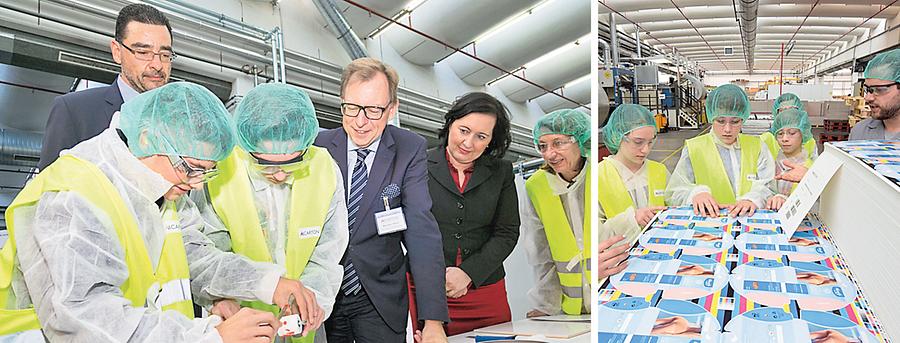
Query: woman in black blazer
<point>474,202</point>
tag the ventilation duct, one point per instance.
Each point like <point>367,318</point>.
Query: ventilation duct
<point>748,29</point>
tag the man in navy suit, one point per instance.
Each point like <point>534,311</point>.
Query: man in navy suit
<point>143,47</point>
<point>385,168</point>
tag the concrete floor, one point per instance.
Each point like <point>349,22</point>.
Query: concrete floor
<point>669,145</point>
<point>667,149</point>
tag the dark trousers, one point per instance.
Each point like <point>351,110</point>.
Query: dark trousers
<point>354,318</point>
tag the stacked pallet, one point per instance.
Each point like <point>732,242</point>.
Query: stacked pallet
<point>858,109</point>
<point>835,130</point>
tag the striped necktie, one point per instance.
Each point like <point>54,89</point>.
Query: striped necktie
<point>351,283</point>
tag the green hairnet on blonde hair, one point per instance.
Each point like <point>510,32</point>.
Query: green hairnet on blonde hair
<point>275,118</point>
<point>566,122</point>
<point>727,101</point>
<point>178,119</point>
<point>792,119</point>
<point>885,66</point>
<point>623,120</point>
<point>786,101</point>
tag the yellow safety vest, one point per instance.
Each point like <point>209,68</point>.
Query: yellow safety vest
<point>231,194</point>
<point>572,261</point>
<point>773,146</point>
<point>614,198</point>
<point>709,169</point>
<point>71,174</point>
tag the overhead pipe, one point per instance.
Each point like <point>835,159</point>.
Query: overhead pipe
<point>614,39</point>
<point>339,26</point>
<point>410,98</point>
<point>637,39</point>
<point>470,55</point>
<point>237,49</point>
<point>605,46</point>
<point>20,148</point>
<point>749,9</point>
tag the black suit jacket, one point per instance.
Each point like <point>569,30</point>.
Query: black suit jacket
<point>482,223</point>
<point>75,117</point>
<point>379,260</point>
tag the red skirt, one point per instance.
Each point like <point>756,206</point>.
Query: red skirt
<point>480,307</point>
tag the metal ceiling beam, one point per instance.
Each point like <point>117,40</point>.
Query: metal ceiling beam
<point>458,50</point>
<point>813,7</point>
<point>858,25</point>
<point>635,24</point>
<point>698,32</point>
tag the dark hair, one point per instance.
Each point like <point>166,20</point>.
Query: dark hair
<point>482,103</point>
<point>141,13</point>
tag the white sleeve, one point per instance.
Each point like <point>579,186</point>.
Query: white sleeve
<point>213,227</point>
<point>546,295</point>
<point>323,273</point>
<point>74,266</point>
<point>216,274</point>
<point>682,185</point>
<point>623,224</point>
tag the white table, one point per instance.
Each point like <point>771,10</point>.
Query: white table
<point>469,337</point>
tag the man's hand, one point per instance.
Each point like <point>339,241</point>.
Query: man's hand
<point>457,282</point>
<point>249,325</point>
<point>225,308</point>
<point>609,258</point>
<point>741,208</point>
<point>433,332</point>
<point>794,174</point>
<point>309,309</point>
<point>705,205</point>
<point>644,215</point>
<point>775,202</point>
<point>535,313</point>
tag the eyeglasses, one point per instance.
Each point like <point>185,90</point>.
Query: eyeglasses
<point>267,167</point>
<point>353,110</point>
<point>733,121</point>
<point>787,107</point>
<point>193,174</point>
<point>556,145</point>
<point>879,89</point>
<point>639,142</point>
<point>148,55</point>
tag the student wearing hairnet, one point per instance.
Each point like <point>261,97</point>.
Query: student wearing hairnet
<point>98,249</point>
<point>882,88</point>
<point>724,168</point>
<point>279,199</point>
<point>631,188</point>
<point>557,221</point>
<point>783,103</point>
<point>793,131</point>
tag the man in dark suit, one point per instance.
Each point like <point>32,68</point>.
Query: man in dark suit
<point>143,47</point>
<point>384,167</point>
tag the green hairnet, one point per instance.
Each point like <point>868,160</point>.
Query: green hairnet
<point>785,101</point>
<point>180,118</point>
<point>727,101</point>
<point>885,66</point>
<point>275,118</point>
<point>792,118</point>
<point>624,119</point>
<point>566,122</point>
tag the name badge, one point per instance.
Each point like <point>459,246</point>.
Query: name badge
<point>310,232</point>
<point>659,192</point>
<point>390,221</point>
<point>172,226</point>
